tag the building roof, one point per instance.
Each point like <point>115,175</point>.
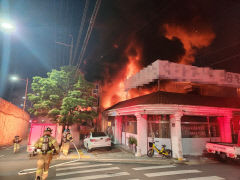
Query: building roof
<point>161,97</point>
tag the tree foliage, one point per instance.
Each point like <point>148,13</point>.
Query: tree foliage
<point>64,95</point>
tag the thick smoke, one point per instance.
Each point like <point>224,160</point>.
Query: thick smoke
<point>118,24</point>
<point>131,40</point>
<point>156,46</point>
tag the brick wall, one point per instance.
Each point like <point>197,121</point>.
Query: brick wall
<point>13,121</point>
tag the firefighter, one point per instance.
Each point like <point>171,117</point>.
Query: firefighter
<point>67,138</point>
<point>16,142</point>
<point>44,148</point>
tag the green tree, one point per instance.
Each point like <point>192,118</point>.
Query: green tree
<point>64,95</point>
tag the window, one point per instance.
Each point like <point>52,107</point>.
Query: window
<point>199,127</point>
<point>158,126</point>
<point>129,124</point>
<point>98,134</point>
<point>214,127</point>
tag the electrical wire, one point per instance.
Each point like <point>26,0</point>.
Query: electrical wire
<point>160,12</point>
<point>80,29</point>
<point>225,59</point>
<point>90,27</point>
<point>217,19</point>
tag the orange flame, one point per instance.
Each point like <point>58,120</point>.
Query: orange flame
<point>140,92</point>
<point>114,92</point>
<point>190,39</point>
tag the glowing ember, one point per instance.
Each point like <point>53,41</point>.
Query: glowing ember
<point>140,92</point>
<point>190,39</point>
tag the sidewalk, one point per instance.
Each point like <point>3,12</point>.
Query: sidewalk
<point>123,155</point>
<point>118,154</point>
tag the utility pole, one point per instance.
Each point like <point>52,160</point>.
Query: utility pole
<point>26,89</point>
<point>70,46</point>
<point>71,50</point>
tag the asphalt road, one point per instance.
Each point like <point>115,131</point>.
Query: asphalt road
<point>11,164</point>
<point>119,171</point>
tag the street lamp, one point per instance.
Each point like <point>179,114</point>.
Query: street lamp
<point>15,78</point>
<point>7,26</point>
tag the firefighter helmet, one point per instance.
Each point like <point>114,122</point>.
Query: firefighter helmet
<point>48,129</point>
<point>67,130</point>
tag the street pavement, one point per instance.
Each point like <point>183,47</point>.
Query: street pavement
<point>118,163</point>
<point>131,171</point>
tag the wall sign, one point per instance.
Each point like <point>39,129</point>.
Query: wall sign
<point>163,69</point>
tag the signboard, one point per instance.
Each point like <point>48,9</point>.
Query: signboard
<point>163,69</point>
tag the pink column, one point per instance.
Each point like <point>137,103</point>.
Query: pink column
<point>59,133</point>
<point>225,128</point>
<point>118,130</point>
<point>141,134</point>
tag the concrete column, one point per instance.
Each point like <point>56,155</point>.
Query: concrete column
<point>59,133</point>
<point>141,134</point>
<point>118,130</point>
<point>74,129</point>
<point>225,128</point>
<point>176,135</point>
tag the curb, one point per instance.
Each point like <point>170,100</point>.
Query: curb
<point>129,161</point>
<point>139,161</point>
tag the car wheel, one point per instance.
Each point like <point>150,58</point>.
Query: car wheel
<point>109,148</point>
<point>223,157</point>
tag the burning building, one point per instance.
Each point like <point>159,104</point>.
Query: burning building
<point>182,121</point>
<point>181,113</point>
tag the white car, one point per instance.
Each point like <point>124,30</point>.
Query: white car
<point>97,140</point>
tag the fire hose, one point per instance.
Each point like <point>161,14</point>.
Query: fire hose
<point>33,170</point>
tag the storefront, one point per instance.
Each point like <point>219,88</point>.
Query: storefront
<point>183,122</point>
<point>196,131</point>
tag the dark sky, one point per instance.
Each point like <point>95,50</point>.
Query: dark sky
<point>40,24</point>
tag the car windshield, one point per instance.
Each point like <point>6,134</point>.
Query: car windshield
<point>98,134</point>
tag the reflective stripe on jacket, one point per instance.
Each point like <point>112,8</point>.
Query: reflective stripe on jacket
<point>52,144</point>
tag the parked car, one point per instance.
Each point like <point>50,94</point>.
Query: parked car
<point>97,140</point>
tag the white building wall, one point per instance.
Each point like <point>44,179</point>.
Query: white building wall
<point>141,134</point>
<point>176,135</point>
<point>196,146</point>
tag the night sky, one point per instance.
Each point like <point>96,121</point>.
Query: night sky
<point>40,24</point>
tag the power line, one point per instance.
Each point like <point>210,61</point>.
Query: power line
<point>80,29</point>
<point>217,19</point>
<point>90,27</point>
<point>224,60</point>
<point>160,11</point>
<point>225,47</point>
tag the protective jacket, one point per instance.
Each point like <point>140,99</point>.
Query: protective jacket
<point>67,137</point>
<point>47,145</point>
<point>17,140</point>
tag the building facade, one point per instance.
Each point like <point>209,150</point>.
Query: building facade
<point>183,122</point>
<point>13,121</point>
